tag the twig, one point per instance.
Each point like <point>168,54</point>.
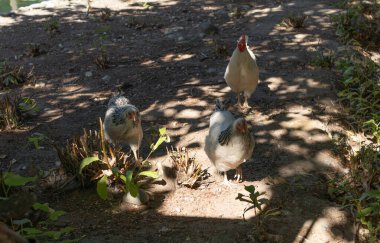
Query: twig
<point>200,84</point>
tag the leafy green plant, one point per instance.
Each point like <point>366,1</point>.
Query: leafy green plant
<point>361,93</point>
<point>358,25</point>
<point>36,139</point>
<point>369,213</point>
<point>8,180</point>
<point>52,26</point>
<point>252,199</point>
<point>324,59</point>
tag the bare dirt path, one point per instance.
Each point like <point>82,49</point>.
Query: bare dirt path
<point>155,50</point>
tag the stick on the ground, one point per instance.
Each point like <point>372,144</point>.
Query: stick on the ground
<point>200,84</point>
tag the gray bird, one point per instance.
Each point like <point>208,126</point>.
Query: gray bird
<point>229,142</point>
<point>122,124</point>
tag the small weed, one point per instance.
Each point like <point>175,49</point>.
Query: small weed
<point>358,25</point>
<point>34,50</point>
<point>294,20</point>
<point>189,170</point>
<point>252,199</point>
<point>13,111</point>
<point>52,26</point>
<point>105,14</point>
<point>102,61</point>
<point>13,76</point>
<point>36,139</point>
<point>236,12</point>
<point>324,59</point>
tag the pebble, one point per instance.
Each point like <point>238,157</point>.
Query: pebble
<point>88,74</point>
<point>106,78</point>
<point>142,198</point>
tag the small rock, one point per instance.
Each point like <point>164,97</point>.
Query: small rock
<point>164,229</point>
<point>23,167</point>
<point>40,84</point>
<point>60,45</point>
<point>106,78</point>
<point>88,74</point>
<point>13,161</point>
<point>3,156</point>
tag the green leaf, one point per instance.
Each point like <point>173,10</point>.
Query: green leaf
<point>365,212</point>
<point>31,231</point>
<point>374,193</point>
<point>162,131</point>
<point>56,214</point>
<point>87,161</point>
<point>101,187</point>
<point>159,142</point>
<point>250,189</point>
<point>149,173</point>
<point>130,186</point>
<point>43,207</point>
<point>11,179</point>
<point>122,177</point>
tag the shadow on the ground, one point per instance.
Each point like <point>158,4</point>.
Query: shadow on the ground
<point>153,53</point>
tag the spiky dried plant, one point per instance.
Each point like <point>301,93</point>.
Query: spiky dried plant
<point>190,172</point>
<point>12,76</point>
<point>10,116</point>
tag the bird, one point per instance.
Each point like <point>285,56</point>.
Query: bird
<point>122,124</point>
<point>229,142</point>
<point>242,72</point>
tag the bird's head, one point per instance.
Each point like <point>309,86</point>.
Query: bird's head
<point>134,116</point>
<point>242,43</point>
<point>241,125</point>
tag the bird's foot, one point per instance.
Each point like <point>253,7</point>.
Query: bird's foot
<point>239,175</point>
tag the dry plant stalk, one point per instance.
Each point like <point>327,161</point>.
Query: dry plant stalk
<point>10,116</point>
<point>102,61</point>
<point>91,143</point>
<point>189,169</point>
<point>13,76</point>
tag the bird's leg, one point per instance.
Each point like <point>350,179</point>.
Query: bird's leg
<point>226,182</point>
<point>135,154</point>
<point>246,102</point>
<point>239,174</point>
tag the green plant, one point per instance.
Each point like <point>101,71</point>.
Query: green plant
<point>361,94</point>
<point>324,59</point>
<point>252,199</point>
<point>52,26</point>
<point>8,180</point>
<point>369,213</point>
<point>36,138</point>
<point>358,25</point>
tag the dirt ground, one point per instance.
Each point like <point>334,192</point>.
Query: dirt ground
<point>154,51</point>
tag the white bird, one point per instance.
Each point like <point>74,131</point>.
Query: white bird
<point>242,72</point>
<point>229,142</point>
<point>122,124</point>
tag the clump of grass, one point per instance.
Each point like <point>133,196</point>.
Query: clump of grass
<point>294,20</point>
<point>102,61</point>
<point>189,170</point>
<point>13,76</point>
<point>359,24</point>
<point>52,26</point>
<point>359,189</point>
<point>34,50</point>
<point>14,111</point>
<point>324,59</point>
<point>361,94</point>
